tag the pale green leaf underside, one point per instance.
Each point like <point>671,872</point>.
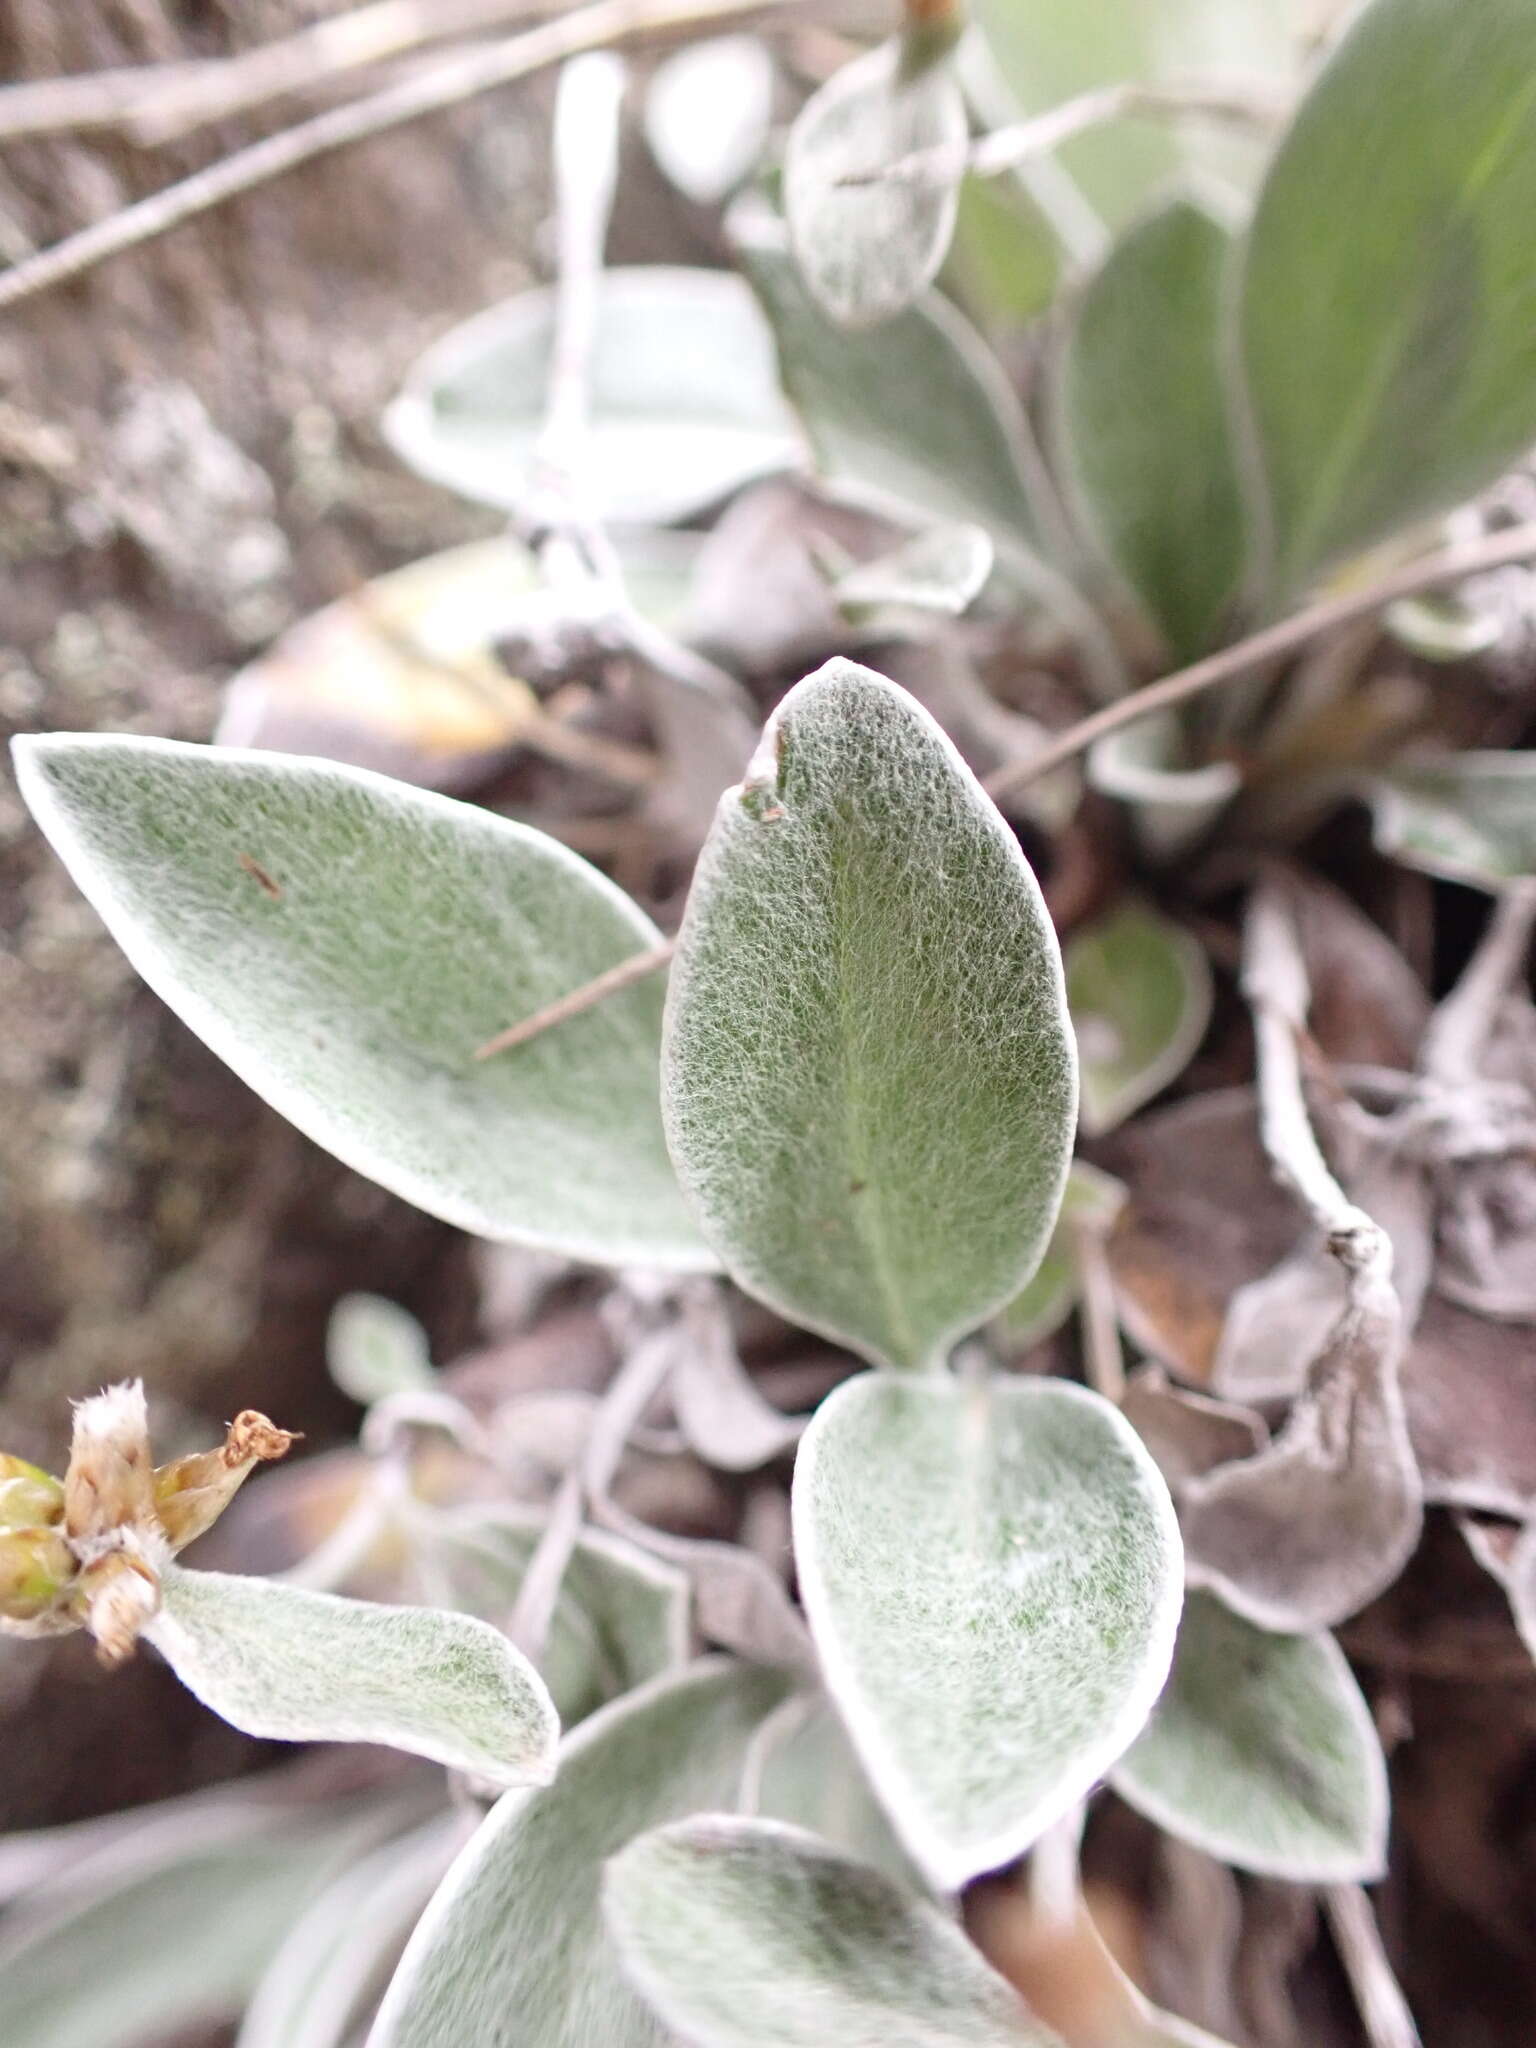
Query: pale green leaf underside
<point>375,1348</point>
<point>941,570</point>
<point>808,1773</point>
<point>868,242</point>
<point>335,1955</point>
<point>868,1081</point>
<point>1389,345</point>
<point>621,1617</point>
<point>172,1936</point>
<point>1172,802</point>
<point>512,1949</point>
<point>297,1666</point>
<point>1262,1752</point>
<point>1144,422</point>
<point>685,406</point>
<point>917,415</point>
<point>1470,817</point>
<point>1139,989</point>
<point>405,930</point>
<point>743,1934</point>
<point>993,1577</point>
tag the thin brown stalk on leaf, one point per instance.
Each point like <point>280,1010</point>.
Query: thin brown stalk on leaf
<point>1273,643</point>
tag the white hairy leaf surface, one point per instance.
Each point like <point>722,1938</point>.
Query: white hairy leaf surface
<point>1263,1753</point>
<point>868,1077</point>
<point>294,1666</point>
<point>685,407</point>
<point>747,1934</point>
<point>345,943</point>
<point>512,1947</point>
<point>707,113</point>
<point>868,241</point>
<point>1470,817</point>
<point>993,1578</point>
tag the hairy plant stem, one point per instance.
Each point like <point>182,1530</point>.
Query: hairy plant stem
<point>1378,1996</point>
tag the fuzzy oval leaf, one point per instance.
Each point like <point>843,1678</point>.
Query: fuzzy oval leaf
<point>993,1575</point>
<point>869,231</point>
<point>294,1666</point>
<point>746,1934</point>
<point>514,1934</point>
<point>1262,1752</point>
<point>1144,422</point>
<point>345,942</point>
<point>807,1773</point>
<point>868,1081</point>
<point>375,1348</point>
<point>1470,817</point>
<point>685,405</point>
<point>1388,346</point>
<point>1139,989</point>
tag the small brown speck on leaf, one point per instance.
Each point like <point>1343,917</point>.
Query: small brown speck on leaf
<point>259,874</point>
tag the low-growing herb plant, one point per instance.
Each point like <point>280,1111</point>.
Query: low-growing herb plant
<point>728,1816</point>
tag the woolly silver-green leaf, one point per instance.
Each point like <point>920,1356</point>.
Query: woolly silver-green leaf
<point>868,1077</point>
<point>867,236</point>
<point>993,1576</point>
<point>512,1948</point>
<point>1263,1753</point>
<point>281,1662</point>
<point>345,943</point>
<point>1470,817</point>
<point>747,1934</point>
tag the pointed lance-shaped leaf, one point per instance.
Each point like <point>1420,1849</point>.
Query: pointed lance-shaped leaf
<point>869,1087</point>
<point>345,942</point>
<point>1263,1753</point>
<point>872,172</point>
<point>748,1934</point>
<point>278,1661</point>
<point>1388,347</point>
<point>1144,422</point>
<point>993,1577</point>
<point>514,1934</point>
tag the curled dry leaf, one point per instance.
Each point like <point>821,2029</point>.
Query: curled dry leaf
<point>1306,1532</point>
<point>1204,1217</point>
<point>1188,1433</point>
<point>719,1410</point>
<point>1278,1325</point>
<point>1469,1388</point>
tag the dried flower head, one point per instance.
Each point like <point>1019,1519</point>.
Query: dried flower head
<point>86,1551</point>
